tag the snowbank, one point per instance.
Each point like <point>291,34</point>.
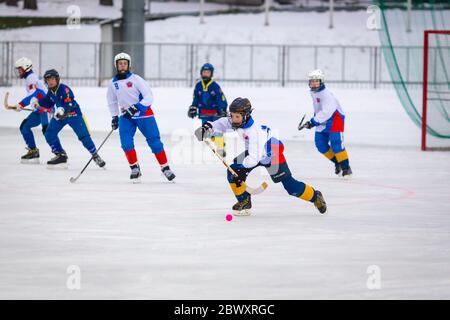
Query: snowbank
<point>374,117</point>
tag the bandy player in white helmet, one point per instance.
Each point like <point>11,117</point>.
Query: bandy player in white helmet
<point>329,120</point>
<point>36,89</point>
<point>130,103</point>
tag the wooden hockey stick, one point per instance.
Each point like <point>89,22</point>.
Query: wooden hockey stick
<point>74,179</point>
<point>252,191</point>
<point>5,103</point>
<point>12,107</point>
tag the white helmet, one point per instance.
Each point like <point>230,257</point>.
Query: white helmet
<point>316,75</point>
<point>122,56</point>
<point>23,63</point>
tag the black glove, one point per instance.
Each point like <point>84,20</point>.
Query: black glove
<point>115,122</point>
<point>192,112</point>
<point>242,173</point>
<point>223,113</point>
<point>204,131</point>
<point>130,112</point>
<point>309,125</point>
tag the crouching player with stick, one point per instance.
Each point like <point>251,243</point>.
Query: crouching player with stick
<point>262,148</point>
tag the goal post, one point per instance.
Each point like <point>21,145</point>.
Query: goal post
<point>436,90</point>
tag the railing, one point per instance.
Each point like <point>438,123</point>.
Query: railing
<point>174,64</point>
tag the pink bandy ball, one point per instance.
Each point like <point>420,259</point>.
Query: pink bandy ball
<point>229,217</point>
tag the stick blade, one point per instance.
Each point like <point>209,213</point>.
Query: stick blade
<point>5,102</point>
<point>73,180</point>
<point>258,190</point>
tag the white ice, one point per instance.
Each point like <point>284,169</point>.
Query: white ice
<point>161,240</point>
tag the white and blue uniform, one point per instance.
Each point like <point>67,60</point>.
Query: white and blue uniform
<point>133,90</point>
<point>329,120</point>
<point>256,138</point>
<point>262,148</point>
<point>121,95</point>
<point>328,113</point>
<point>36,89</point>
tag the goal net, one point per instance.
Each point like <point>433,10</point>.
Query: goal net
<point>436,90</point>
<point>416,48</point>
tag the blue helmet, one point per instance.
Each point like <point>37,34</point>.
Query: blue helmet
<point>207,66</point>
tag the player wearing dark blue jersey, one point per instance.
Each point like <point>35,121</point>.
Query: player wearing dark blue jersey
<point>67,112</point>
<point>209,103</point>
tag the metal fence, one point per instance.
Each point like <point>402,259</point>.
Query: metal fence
<point>174,64</point>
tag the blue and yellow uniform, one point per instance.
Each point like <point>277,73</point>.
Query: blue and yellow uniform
<point>211,103</point>
<point>209,100</point>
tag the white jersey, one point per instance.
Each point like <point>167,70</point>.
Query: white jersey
<point>36,89</point>
<point>33,82</point>
<point>256,138</point>
<point>124,93</point>
<point>325,105</point>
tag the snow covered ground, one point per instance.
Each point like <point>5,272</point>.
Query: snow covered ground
<point>161,240</point>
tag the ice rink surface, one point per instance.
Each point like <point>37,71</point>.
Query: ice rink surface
<point>161,240</point>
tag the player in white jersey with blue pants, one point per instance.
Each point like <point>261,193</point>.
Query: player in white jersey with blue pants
<point>329,120</point>
<point>36,89</point>
<point>130,102</point>
<point>262,148</point>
